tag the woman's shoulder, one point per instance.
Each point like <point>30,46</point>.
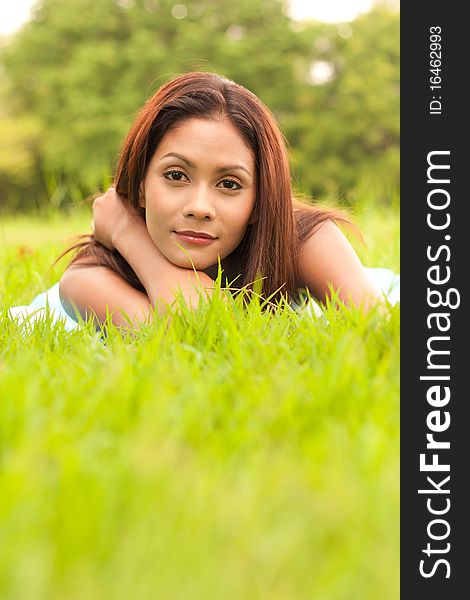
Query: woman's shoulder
<point>327,234</point>
<point>327,259</point>
<point>86,271</point>
<point>96,288</point>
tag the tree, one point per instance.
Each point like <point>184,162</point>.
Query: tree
<point>83,68</point>
<point>76,74</point>
<point>347,128</point>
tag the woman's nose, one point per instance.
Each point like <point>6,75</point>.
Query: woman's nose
<point>199,204</point>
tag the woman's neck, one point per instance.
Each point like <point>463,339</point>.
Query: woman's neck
<point>230,268</point>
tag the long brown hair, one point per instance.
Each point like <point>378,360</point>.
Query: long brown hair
<point>271,245</point>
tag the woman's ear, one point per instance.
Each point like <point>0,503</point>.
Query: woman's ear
<point>141,197</point>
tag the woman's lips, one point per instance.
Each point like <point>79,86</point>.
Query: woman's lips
<point>197,238</point>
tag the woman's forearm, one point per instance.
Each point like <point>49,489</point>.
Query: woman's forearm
<point>160,278</point>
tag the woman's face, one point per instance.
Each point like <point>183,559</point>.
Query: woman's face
<point>201,180</point>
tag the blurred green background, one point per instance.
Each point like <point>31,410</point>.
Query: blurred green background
<point>74,76</point>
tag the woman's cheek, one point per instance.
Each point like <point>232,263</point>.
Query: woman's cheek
<point>154,233</point>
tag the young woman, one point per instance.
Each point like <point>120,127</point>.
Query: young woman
<point>203,176</point>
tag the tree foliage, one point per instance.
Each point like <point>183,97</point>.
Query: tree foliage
<point>73,78</point>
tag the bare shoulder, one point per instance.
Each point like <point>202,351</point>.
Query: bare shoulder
<point>327,232</point>
<point>96,290</point>
<point>327,259</point>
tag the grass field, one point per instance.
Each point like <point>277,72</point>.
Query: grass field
<point>231,455</point>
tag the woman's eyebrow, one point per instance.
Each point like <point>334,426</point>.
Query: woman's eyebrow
<point>232,168</point>
<point>192,165</point>
<point>175,155</point>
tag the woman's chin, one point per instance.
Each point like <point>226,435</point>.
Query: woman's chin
<point>196,260</point>
<point>187,262</point>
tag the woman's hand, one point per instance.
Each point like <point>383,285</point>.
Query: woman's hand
<point>112,217</point>
<point>119,226</point>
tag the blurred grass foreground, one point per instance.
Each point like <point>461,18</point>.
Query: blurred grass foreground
<point>232,455</point>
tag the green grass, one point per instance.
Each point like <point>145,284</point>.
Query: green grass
<point>229,455</point>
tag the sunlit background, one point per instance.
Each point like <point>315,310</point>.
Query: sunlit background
<point>13,13</point>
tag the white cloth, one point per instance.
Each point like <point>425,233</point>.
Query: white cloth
<point>38,307</point>
<point>386,280</point>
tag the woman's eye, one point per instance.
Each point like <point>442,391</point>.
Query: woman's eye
<point>230,184</point>
<point>175,175</point>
